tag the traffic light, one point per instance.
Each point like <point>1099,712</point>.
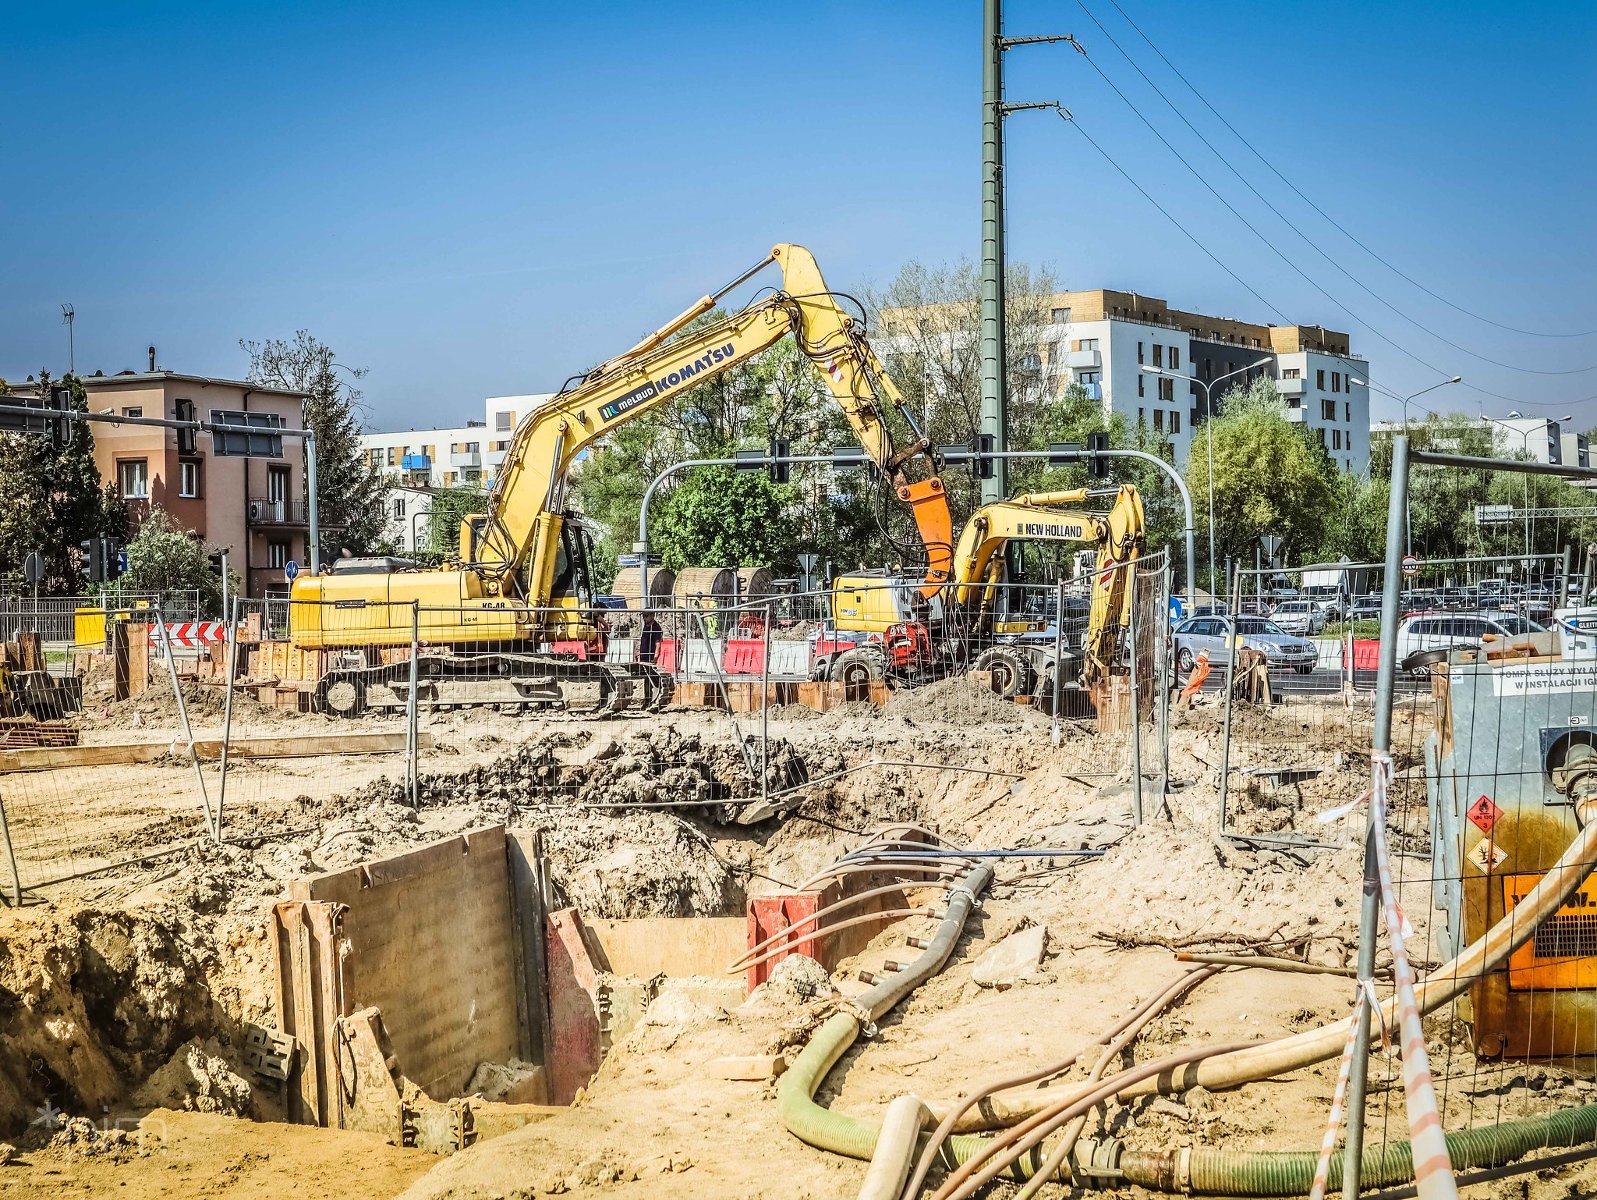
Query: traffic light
<point>1097,458</point>
<point>982,463</point>
<point>781,472</point>
<point>115,557</point>
<point>93,564</point>
<point>187,439</point>
<point>60,402</point>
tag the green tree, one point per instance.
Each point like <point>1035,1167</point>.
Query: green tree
<point>164,557</point>
<point>449,507</point>
<point>54,499</point>
<point>720,516</point>
<point>1270,476</point>
<point>350,490</point>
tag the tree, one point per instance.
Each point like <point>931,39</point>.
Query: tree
<point>450,506</point>
<point>350,490</point>
<point>1270,477</point>
<point>724,517</point>
<point>164,557</point>
<point>54,499</point>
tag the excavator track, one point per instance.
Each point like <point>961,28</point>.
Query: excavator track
<point>579,688</point>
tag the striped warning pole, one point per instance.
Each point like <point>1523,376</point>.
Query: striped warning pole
<point>1433,1169</point>
<point>1333,1126</point>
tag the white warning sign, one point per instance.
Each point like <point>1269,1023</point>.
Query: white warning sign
<point>1535,679</point>
<point>1487,855</point>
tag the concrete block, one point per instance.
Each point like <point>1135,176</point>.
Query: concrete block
<point>1012,960</point>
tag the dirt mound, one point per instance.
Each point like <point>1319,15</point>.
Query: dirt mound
<point>642,864</point>
<point>961,699</point>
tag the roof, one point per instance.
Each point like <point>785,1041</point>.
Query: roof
<point>143,378</point>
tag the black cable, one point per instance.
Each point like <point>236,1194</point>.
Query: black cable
<point>1287,221</point>
<point>1300,194</point>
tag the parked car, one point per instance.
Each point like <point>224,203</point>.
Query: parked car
<point>1366,608</point>
<point>1446,630</point>
<point>1281,649</point>
<point>1328,597</point>
<point>1210,610</point>
<point>1302,617</point>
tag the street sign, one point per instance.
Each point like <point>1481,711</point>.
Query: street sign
<point>290,570</point>
<point>33,567</point>
<point>266,444</point>
<point>1493,514</point>
<point>122,562</point>
<point>1411,565</point>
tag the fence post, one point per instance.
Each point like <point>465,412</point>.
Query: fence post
<point>230,640</point>
<point>183,717</point>
<point>1136,707</point>
<point>765,705</point>
<point>11,855</point>
<point>1230,679</point>
<point>1056,734</point>
<point>411,740</point>
<point>1162,677</point>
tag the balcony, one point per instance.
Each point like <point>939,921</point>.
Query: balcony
<point>415,462</point>
<point>278,512</point>
<point>465,458</point>
<point>1084,360</point>
<point>1291,387</point>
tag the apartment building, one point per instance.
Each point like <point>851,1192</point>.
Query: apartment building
<point>254,508</point>
<point>1150,363</point>
<point>437,458</point>
<point>464,456</point>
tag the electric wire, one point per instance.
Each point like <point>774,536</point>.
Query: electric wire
<point>1347,233</point>
<point>1286,220</point>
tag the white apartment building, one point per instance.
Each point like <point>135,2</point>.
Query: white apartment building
<point>1150,363</point>
<point>468,455</point>
<point>407,509</point>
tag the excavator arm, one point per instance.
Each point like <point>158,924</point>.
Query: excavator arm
<point>522,526</point>
<point>1120,535</point>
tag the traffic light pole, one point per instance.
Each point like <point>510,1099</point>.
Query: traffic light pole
<point>307,436</point>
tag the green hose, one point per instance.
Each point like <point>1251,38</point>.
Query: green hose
<point>1290,1173</point>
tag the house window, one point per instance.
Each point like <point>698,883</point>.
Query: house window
<point>1175,358</point>
<point>1322,435</point>
<point>1336,381</point>
<point>503,421</point>
<point>1175,422</point>
<point>1142,417</point>
<point>1061,316</point>
<point>1158,420</point>
<point>1141,381</point>
<point>1139,353</point>
<point>1347,407</point>
<point>133,478</point>
<point>277,554</point>
<point>1087,377</point>
<point>1319,379</point>
<point>1167,390</point>
<point>277,484</point>
<point>136,411</point>
<point>1336,439</point>
<point>392,455</point>
<point>1328,410</point>
<point>1292,373</point>
<point>1158,355</point>
<point>399,510</point>
<point>188,478</point>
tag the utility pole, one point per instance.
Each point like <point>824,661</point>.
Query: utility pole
<point>994,385</point>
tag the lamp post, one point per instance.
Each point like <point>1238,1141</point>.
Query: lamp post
<point>1408,520</point>
<point>1524,442</point>
<point>1208,411</point>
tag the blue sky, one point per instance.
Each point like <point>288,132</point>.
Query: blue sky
<point>478,199</point>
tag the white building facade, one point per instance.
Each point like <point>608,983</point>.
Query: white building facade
<point>466,455</point>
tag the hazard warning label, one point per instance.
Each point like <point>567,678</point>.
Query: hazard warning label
<point>1484,814</point>
<point>1486,855</point>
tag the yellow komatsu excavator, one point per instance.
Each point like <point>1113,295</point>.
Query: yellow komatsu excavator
<point>972,625</point>
<point>512,622</point>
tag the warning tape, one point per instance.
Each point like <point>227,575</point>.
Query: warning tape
<point>1433,1168</point>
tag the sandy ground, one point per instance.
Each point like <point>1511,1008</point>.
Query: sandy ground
<point>125,974</point>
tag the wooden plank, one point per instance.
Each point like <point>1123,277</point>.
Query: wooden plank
<point>48,758</point>
<point>671,946</point>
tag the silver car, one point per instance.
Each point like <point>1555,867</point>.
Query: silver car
<point>1282,650</point>
<point>1302,617</point>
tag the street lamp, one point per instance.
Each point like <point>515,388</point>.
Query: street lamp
<point>1524,439</point>
<point>1208,416</point>
<point>1408,520</point>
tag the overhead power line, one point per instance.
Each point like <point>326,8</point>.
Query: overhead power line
<point>1286,220</point>
<point>1342,229</point>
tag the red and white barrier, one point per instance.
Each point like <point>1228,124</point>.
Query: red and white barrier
<point>190,635</point>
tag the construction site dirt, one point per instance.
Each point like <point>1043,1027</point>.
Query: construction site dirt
<point>127,993</point>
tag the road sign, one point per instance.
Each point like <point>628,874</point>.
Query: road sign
<point>1411,565</point>
<point>1493,514</point>
<point>122,562</point>
<point>265,444</point>
<point>33,567</point>
<point>290,570</point>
